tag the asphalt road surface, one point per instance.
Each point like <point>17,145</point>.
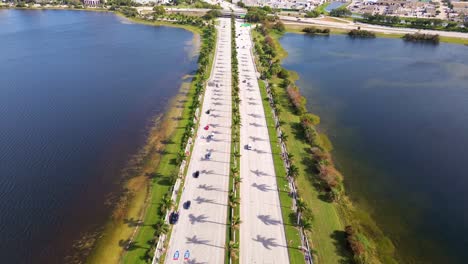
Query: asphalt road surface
<point>201,229</point>
<point>262,237</point>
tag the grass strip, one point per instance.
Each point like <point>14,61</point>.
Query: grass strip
<point>233,241</point>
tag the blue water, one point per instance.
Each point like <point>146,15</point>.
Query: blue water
<point>333,5</point>
<point>78,91</point>
<point>397,115</point>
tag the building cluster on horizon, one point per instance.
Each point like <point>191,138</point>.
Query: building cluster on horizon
<point>402,8</point>
<point>286,4</point>
<point>410,8</point>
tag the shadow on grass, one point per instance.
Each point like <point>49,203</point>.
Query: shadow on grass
<point>129,246</point>
<point>131,222</point>
<point>339,241</point>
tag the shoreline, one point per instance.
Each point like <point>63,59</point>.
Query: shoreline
<point>135,20</point>
<point>328,233</point>
<point>150,156</point>
<point>115,236</point>
<point>296,28</point>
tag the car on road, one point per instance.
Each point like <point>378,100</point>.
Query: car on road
<point>173,218</point>
<point>248,146</point>
<point>187,204</point>
<point>208,111</point>
<point>196,174</point>
<point>210,136</point>
<point>208,155</point>
<point>206,127</point>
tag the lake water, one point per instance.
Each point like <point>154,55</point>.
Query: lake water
<point>333,5</point>
<point>397,114</point>
<point>78,91</point>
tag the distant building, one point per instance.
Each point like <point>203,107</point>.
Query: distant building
<point>92,2</point>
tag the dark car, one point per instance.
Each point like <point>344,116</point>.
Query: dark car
<point>187,204</point>
<point>173,218</point>
<point>208,111</point>
<point>196,174</point>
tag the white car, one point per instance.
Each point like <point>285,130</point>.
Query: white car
<point>248,146</point>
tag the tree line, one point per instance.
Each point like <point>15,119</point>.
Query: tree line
<point>419,23</point>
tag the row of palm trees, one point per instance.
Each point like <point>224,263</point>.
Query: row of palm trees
<point>208,35</point>
<point>234,194</point>
<point>263,48</point>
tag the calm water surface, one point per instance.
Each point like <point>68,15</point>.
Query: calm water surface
<point>397,114</point>
<point>78,91</point>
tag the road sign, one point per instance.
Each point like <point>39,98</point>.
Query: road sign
<point>186,255</point>
<point>176,255</point>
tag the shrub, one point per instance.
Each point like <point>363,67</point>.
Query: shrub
<point>340,12</point>
<point>419,37</point>
<point>129,11</point>
<point>297,99</point>
<point>279,26</point>
<point>357,33</point>
<point>283,73</point>
<point>214,13</point>
<point>159,10</point>
<point>309,118</point>
<point>255,15</point>
<point>313,13</point>
<point>313,30</point>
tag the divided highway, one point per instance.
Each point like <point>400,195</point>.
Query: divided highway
<point>262,237</point>
<point>200,233</point>
<point>201,229</point>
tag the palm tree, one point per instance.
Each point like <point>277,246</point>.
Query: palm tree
<point>307,225</point>
<point>301,206</point>
<point>293,171</point>
<point>233,248</point>
<point>161,227</point>
<point>283,137</point>
<point>277,110</point>
<point>235,120</point>
<point>290,157</point>
<point>180,157</point>
<point>237,181</point>
<point>166,204</point>
<point>234,171</point>
<point>235,222</point>
<point>234,201</point>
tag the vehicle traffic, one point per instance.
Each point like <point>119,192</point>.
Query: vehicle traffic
<point>173,218</point>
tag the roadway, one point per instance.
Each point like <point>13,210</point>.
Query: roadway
<point>262,237</point>
<point>201,229</point>
<point>348,25</point>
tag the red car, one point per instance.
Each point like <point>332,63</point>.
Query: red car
<point>207,127</point>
